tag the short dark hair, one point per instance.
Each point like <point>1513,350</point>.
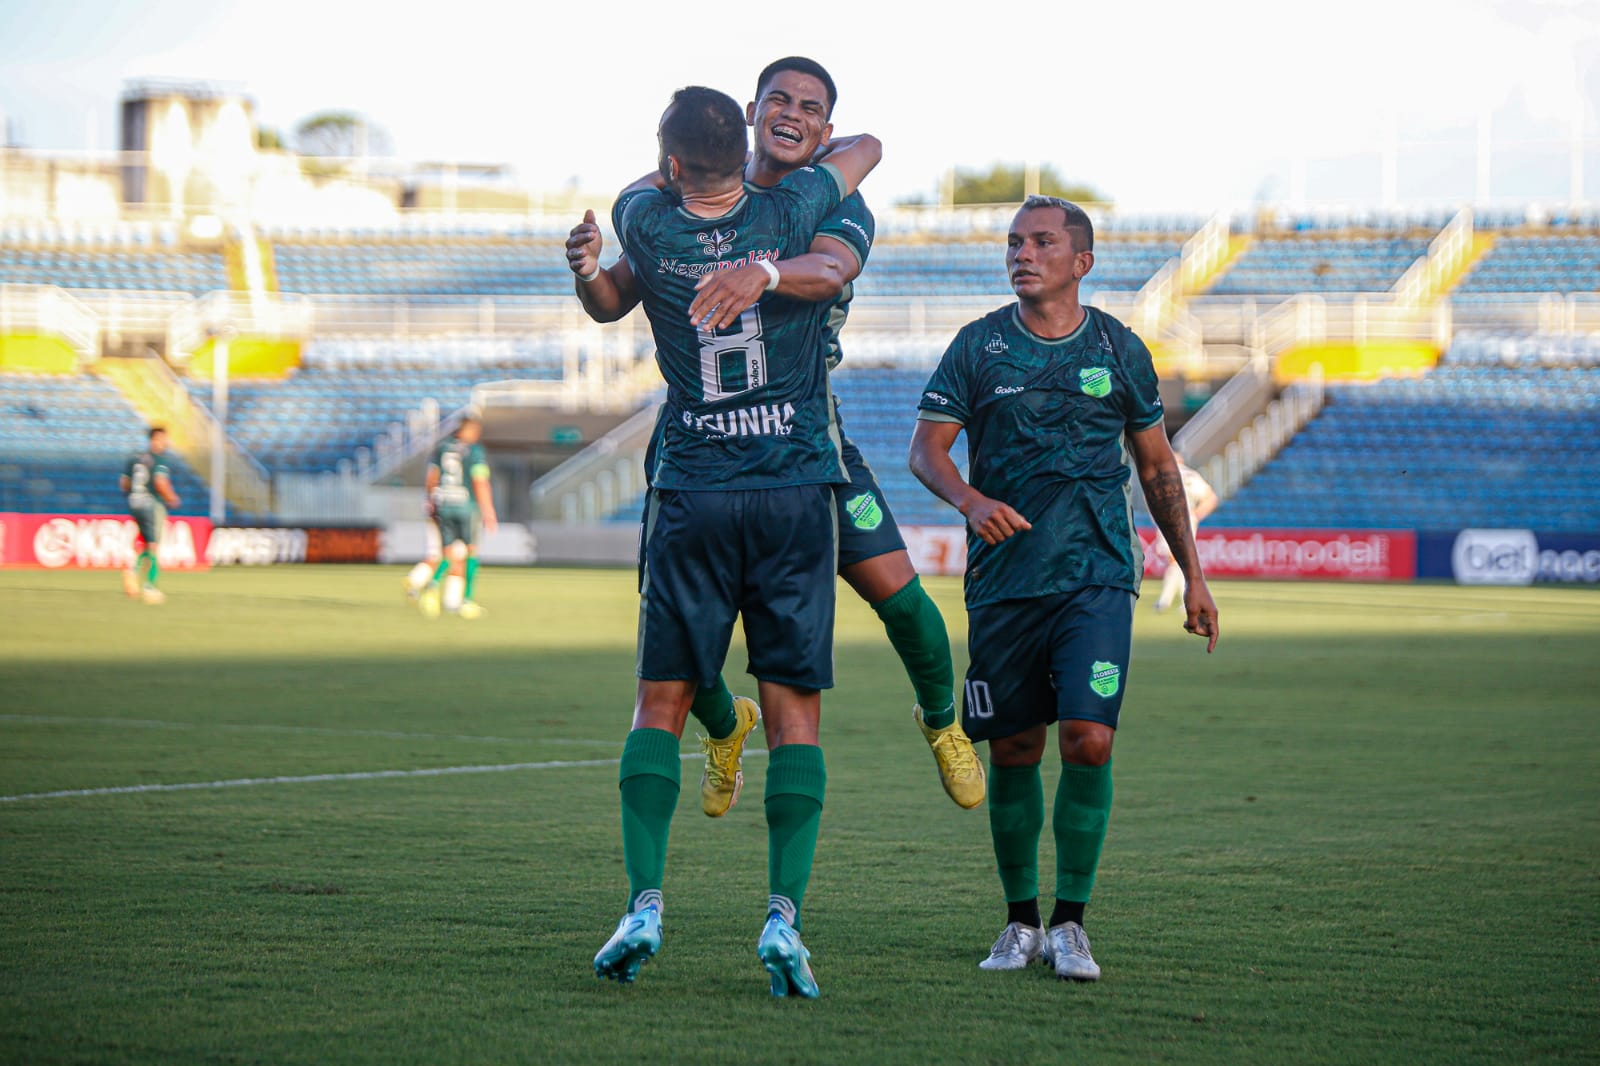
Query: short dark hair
<point>704,131</point>
<point>154,430</point>
<point>800,65</point>
<point>1076,222</point>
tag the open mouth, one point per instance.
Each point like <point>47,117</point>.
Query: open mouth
<point>787,135</point>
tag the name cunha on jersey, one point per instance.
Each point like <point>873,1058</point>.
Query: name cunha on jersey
<point>761,420</point>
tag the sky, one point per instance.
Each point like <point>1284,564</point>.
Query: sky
<point>1162,105</point>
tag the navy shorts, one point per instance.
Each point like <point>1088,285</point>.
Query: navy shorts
<point>866,526</point>
<point>766,554</point>
<point>1047,659</point>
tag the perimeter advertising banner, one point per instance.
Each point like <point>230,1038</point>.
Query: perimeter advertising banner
<point>1510,557</point>
<point>1308,554</point>
<point>97,542</point>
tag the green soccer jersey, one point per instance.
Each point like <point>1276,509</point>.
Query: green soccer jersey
<point>1046,422</point>
<point>747,407</point>
<point>458,464</point>
<point>141,472</point>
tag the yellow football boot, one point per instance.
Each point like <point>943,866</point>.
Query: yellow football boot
<point>723,776</point>
<point>960,770</point>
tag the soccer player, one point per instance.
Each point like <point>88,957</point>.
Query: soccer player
<point>1055,398</point>
<point>791,117</point>
<point>418,577</point>
<point>147,481</point>
<point>463,507</point>
<point>741,519</point>
<point>1201,500</point>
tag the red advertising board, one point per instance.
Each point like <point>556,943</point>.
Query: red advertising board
<point>1313,554</point>
<point>97,542</point>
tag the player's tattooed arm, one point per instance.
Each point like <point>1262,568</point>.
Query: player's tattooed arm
<point>1163,492</point>
<point>611,292</point>
<point>821,274</point>
<point>989,518</point>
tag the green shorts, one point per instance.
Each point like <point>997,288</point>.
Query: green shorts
<point>458,524</point>
<point>151,521</point>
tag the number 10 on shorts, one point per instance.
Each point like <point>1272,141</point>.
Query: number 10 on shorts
<point>979,703</point>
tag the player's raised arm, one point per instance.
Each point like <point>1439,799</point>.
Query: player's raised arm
<point>853,157</point>
<point>606,293</point>
<point>1158,474</point>
<point>990,519</point>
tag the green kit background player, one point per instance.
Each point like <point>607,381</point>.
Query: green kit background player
<point>462,504</point>
<point>791,119</point>
<point>741,521</point>
<point>1054,397</point>
<point>147,481</point>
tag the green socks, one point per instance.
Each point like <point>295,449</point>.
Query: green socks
<point>146,566</point>
<point>649,778</point>
<point>472,576</point>
<point>713,708</point>
<point>1083,808</point>
<point>439,571</point>
<point>1016,818</point>
<point>796,780</point>
<point>917,631</point>
<point>155,570</point>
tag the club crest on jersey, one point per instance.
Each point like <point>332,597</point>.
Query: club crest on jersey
<point>865,514</point>
<point>1096,381</point>
<point>996,344</point>
<point>1105,678</point>
<point>716,243</point>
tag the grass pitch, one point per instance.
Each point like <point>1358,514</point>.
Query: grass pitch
<point>1367,829</point>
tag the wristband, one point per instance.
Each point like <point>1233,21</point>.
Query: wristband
<point>772,272</point>
<point>587,278</point>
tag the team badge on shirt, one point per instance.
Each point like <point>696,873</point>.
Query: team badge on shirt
<point>1096,381</point>
<point>865,514</point>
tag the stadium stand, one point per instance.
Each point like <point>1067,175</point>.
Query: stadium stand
<point>1563,264</point>
<point>1285,266</point>
<point>112,268</point>
<point>1505,433</point>
<point>64,440</point>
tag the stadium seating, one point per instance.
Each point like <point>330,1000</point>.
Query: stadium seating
<point>1534,265</point>
<point>1283,266</point>
<point>349,392</point>
<point>442,267</point>
<point>1470,444</point>
<point>64,439</point>
<point>114,268</point>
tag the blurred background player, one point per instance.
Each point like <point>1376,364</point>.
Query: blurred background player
<point>1202,500</point>
<point>791,118</point>
<point>1055,398</point>
<point>432,552</point>
<point>147,480</point>
<point>463,505</point>
<point>741,519</point>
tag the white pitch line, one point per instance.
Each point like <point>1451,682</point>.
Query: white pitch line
<point>383,734</point>
<point>307,779</point>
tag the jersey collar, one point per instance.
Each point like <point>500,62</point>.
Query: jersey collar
<point>1077,334</point>
<point>734,210</point>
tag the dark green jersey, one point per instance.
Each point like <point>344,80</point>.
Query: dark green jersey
<point>141,472</point>
<point>747,407</point>
<point>458,464</point>
<point>851,223</point>
<point>1045,423</point>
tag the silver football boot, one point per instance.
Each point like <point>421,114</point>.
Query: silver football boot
<point>1018,946</point>
<point>1066,948</point>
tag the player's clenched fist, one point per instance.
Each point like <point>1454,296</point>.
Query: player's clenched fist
<point>994,521</point>
<point>583,247</point>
